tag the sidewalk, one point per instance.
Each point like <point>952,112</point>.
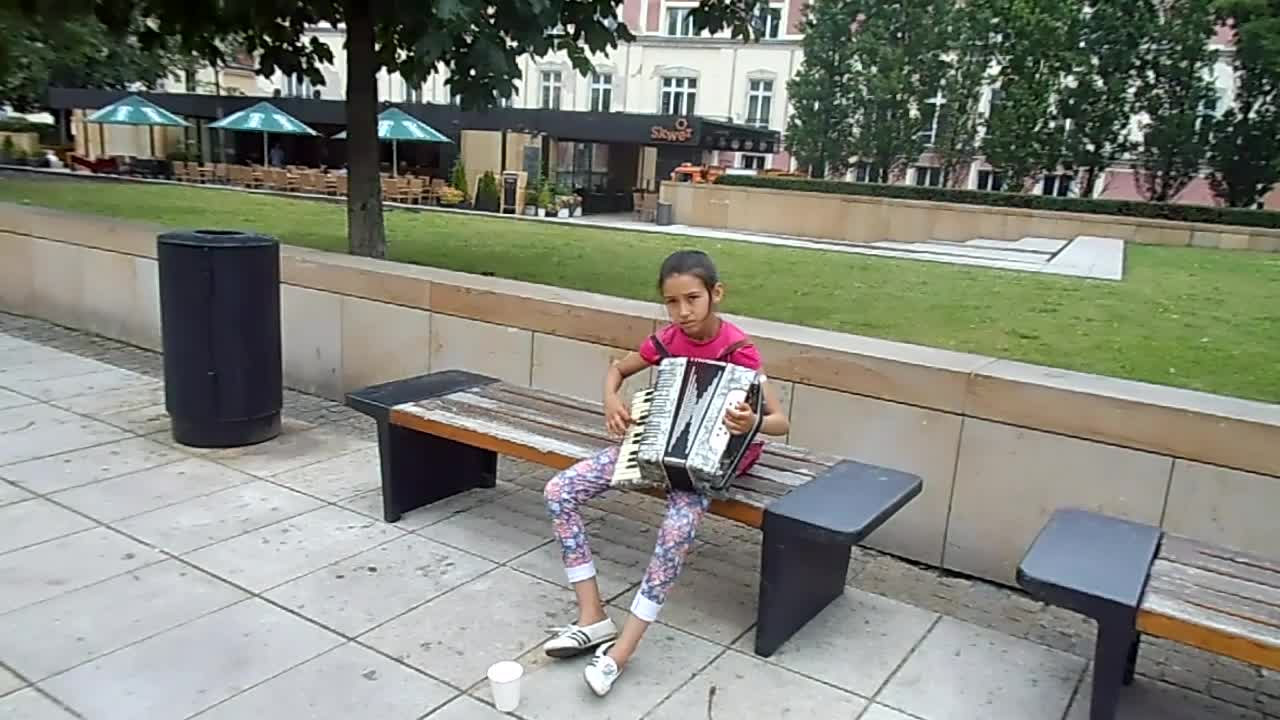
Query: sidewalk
<point>144,581</point>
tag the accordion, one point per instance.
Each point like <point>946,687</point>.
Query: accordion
<point>678,439</point>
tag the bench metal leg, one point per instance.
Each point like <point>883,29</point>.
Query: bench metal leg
<point>1114,657</point>
<point>799,577</point>
<point>419,469</point>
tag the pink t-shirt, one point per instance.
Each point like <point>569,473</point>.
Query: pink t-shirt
<point>677,343</point>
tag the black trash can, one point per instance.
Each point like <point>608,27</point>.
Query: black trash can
<point>220,331</point>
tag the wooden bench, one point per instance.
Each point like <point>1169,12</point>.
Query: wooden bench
<point>440,434</point>
<point>1135,579</point>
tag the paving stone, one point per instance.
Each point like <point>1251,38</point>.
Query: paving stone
<point>9,682</point>
<point>855,643</point>
<point>1150,700</point>
<point>9,399</point>
<point>964,672</point>
<point>73,628</point>
<point>347,682</point>
<point>81,467</point>
<point>36,520</point>
<point>340,478</point>
<point>1231,693</point>
<point>457,636</point>
<point>618,569</point>
<point>195,523</point>
<point>30,704</point>
<point>278,553</point>
<point>27,369</point>
<point>739,686</point>
<point>140,420</point>
<point>142,393</point>
<point>295,447</point>
<point>143,491</point>
<point>10,493</point>
<point>706,605</point>
<point>880,712</point>
<point>370,504</point>
<point>358,593</point>
<point>62,565</point>
<point>62,387</point>
<point>468,708</point>
<point>194,666</point>
<point>553,689</point>
<point>32,431</point>
<point>494,530</point>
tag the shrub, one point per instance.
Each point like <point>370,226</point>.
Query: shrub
<point>1126,208</point>
<point>487,198</point>
<point>458,179</point>
<point>450,196</point>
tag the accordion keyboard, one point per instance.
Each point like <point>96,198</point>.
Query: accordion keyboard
<point>627,470</point>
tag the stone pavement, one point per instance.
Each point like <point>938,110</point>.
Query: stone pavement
<point>143,580</point>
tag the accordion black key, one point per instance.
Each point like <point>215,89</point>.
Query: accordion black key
<point>678,439</point>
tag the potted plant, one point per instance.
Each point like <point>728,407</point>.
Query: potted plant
<point>458,180</point>
<point>531,202</point>
<point>451,197</point>
<point>7,150</point>
<point>546,201</point>
<point>487,198</point>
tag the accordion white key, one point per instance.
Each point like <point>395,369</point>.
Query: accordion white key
<point>678,439</point>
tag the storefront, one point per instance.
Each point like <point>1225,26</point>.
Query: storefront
<point>602,156</point>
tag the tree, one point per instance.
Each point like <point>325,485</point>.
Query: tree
<point>819,130</point>
<point>480,43</point>
<point>970,30</point>
<point>1244,152</point>
<point>1024,130</point>
<point>897,50</point>
<point>1173,88</point>
<point>39,52</point>
<point>1098,100</point>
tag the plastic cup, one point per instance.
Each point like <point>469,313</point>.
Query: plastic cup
<point>504,681</point>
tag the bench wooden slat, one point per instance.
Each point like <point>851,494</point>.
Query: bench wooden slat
<point>1214,598</point>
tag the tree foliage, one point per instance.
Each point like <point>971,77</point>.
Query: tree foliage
<point>1025,129</point>
<point>1174,84</point>
<point>970,29</point>
<point>1099,100</point>
<point>1244,153</point>
<point>820,127</point>
<point>479,43</point>
<point>76,50</point>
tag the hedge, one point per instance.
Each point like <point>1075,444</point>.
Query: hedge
<point>1128,208</point>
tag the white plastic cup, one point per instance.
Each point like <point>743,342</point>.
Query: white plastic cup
<point>504,681</point>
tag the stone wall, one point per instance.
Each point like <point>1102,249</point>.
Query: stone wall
<point>860,219</point>
<point>1000,444</point>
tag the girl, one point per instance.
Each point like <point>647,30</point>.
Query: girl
<point>692,291</point>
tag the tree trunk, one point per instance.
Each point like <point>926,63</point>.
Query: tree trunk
<point>366,234</point>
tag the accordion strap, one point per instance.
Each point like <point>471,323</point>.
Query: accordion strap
<point>657,344</point>
<point>729,351</point>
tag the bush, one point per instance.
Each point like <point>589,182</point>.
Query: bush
<point>1126,208</point>
<point>458,179</point>
<point>450,196</point>
<point>487,198</point>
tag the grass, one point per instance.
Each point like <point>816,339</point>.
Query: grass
<point>1188,317</point>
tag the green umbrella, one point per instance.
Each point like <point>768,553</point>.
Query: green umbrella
<point>264,118</point>
<point>134,110</point>
<point>395,125</point>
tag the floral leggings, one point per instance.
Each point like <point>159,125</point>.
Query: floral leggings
<point>589,478</point>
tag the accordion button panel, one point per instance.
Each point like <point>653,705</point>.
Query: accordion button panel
<point>627,469</point>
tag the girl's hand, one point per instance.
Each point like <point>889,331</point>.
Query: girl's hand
<point>617,418</point>
<point>740,418</point>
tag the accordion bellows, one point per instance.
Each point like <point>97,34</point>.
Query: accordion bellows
<point>678,439</point>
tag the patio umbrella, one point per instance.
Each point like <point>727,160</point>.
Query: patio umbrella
<point>134,110</point>
<point>396,125</point>
<point>266,119</point>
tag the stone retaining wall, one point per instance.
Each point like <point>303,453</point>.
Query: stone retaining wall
<point>863,219</point>
<point>1000,444</point>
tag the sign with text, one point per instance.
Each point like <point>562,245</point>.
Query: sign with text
<point>680,132</point>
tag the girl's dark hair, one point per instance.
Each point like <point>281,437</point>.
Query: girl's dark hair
<point>689,262</point>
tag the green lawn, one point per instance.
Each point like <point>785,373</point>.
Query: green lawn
<point>1195,318</point>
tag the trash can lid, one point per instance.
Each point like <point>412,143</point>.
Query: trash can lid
<point>215,238</point>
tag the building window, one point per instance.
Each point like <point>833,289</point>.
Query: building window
<point>929,135</point>
<point>678,95</point>
<point>297,86</point>
<point>551,89</point>
<point>759,102</point>
<point>752,162</point>
<point>928,176</point>
<point>1059,185</point>
<point>768,22</point>
<point>601,92</point>
<point>412,93</point>
<point>680,21</point>
<point>865,172</point>
<point>582,166</point>
<point>991,180</point>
